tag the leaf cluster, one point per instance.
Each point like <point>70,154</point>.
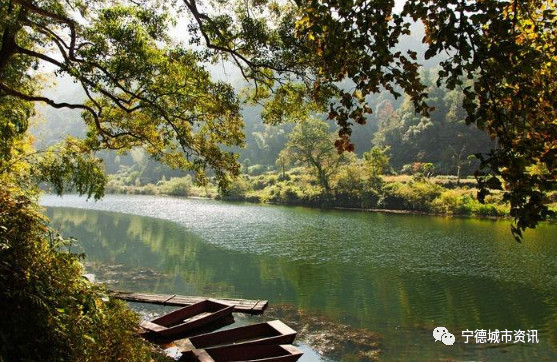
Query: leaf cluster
<point>49,311</point>
<point>501,54</point>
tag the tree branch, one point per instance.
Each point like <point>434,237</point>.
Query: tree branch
<point>201,18</point>
<point>59,18</point>
<point>50,102</point>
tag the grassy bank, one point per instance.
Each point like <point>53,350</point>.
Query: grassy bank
<point>435,195</point>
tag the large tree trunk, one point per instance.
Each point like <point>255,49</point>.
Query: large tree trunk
<point>323,179</point>
<point>9,46</point>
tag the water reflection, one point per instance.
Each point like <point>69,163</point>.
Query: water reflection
<point>397,275</point>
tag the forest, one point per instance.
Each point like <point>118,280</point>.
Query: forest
<point>432,106</point>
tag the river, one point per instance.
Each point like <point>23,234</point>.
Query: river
<point>396,275</point>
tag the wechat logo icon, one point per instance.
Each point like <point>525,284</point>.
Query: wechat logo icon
<point>442,334</point>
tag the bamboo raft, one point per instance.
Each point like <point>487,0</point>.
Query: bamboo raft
<point>240,305</point>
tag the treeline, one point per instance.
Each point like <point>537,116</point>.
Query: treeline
<point>309,171</point>
<point>410,163</point>
<point>351,187</point>
<point>442,140</point>
<point>415,163</point>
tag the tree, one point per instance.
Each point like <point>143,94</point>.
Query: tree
<point>311,143</point>
<point>141,89</point>
<point>505,49</point>
<point>377,161</point>
<point>268,143</point>
<point>443,138</point>
<point>144,89</point>
<point>282,162</point>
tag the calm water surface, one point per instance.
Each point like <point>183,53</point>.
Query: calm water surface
<point>398,275</point>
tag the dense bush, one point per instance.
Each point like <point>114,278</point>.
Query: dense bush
<point>352,186</point>
<point>177,186</point>
<point>453,202</point>
<point>256,170</point>
<point>49,311</point>
<point>413,195</point>
<point>238,189</point>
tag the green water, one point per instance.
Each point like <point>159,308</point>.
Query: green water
<point>398,275</point>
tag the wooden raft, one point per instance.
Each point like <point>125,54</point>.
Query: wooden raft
<point>240,305</point>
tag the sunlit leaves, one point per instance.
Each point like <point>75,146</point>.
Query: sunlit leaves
<point>355,41</point>
<point>311,143</point>
<point>145,90</point>
<point>70,166</point>
<point>506,47</point>
<point>288,104</point>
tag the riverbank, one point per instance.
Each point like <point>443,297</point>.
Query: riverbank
<point>51,312</point>
<point>441,195</point>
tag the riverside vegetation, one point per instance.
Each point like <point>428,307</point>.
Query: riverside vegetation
<point>435,195</point>
<point>141,88</point>
<point>416,164</point>
<point>50,311</point>
<point>309,171</point>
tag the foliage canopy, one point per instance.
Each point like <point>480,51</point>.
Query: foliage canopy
<point>500,53</point>
<point>310,143</point>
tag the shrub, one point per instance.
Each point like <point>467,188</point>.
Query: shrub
<point>290,194</point>
<point>238,190</point>
<point>257,170</point>
<point>457,202</point>
<point>354,187</point>
<point>406,169</point>
<point>132,178</point>
<point>49,311</point>
<point>284,177</point>
<point>413,195</point>
<point>488,209</point>
<point>178,186</point>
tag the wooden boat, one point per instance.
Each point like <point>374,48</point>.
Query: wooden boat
<point>188,318</point>
<point>266,353</point>
<point>274,332</point>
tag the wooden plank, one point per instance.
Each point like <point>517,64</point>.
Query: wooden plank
<point>150,326</point>
<point>197,317</point>
<point>281,327</point>
<point>240,305</point>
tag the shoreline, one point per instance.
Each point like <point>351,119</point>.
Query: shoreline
<point>341,208</point>
<point>382,211</point>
